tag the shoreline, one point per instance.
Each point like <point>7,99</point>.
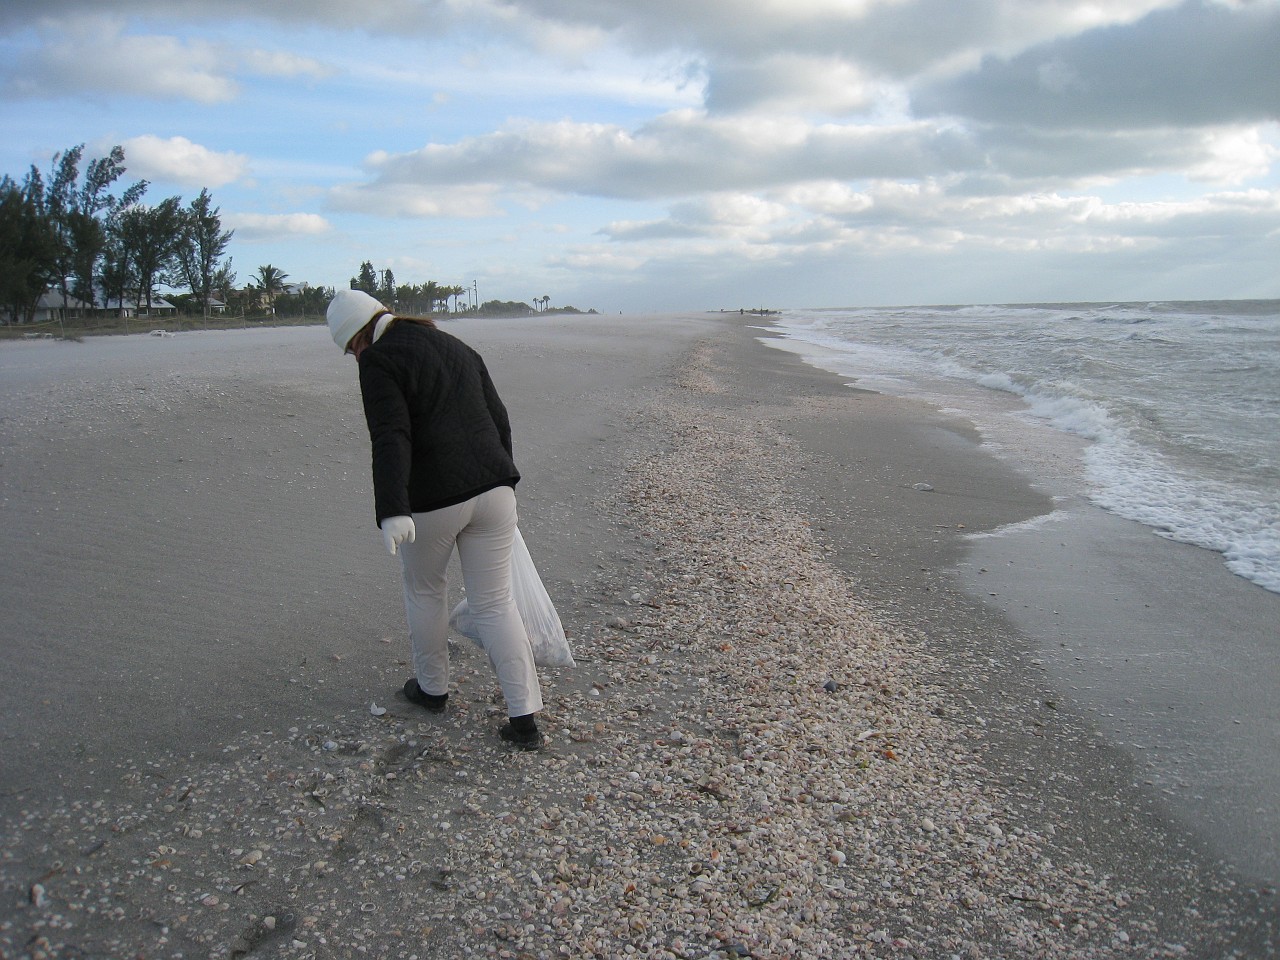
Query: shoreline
<point>1157,642</point>
<point>698,770</point>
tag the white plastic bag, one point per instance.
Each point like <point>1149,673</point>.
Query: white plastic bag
<point>541,622</point>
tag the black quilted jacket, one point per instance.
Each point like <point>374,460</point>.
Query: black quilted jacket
<point>440,433</point>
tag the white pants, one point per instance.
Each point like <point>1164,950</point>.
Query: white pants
<point>482,528</point>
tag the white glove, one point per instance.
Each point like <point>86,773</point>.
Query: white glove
<point>397,530</point>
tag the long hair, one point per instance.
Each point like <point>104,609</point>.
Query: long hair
<point>366,332</point>
<point>424,321</point>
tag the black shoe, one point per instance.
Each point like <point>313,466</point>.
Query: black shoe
<point>433,703</point>
<point>522,732</point>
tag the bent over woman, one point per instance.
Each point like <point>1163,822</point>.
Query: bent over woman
<point>443,477</point>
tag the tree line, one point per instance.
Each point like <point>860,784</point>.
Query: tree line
<point>407,298</point>
<point>75,232</point>
<point>80,232</point>
<point>431,297</point>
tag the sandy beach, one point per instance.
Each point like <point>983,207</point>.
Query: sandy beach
<point>813,717</point>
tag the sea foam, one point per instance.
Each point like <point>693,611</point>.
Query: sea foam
<point>1179,403</point>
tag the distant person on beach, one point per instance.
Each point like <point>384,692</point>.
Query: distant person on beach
<point>443,476</point>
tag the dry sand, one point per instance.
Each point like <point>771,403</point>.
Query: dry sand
<point>792,733</point>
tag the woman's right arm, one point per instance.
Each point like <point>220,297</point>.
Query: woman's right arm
<point>386,412</point>
<point>497,410</point>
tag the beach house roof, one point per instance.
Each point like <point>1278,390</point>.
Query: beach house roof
<point>52,301</point>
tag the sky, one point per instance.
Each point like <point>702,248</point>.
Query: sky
<point>672,155</point>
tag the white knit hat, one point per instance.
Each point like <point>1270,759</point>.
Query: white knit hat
<point>348,312</point>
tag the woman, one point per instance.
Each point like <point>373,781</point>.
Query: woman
<point>443,476</point>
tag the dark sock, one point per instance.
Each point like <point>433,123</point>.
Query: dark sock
<point>435,703</point>
<point>523,732</point>
<point>525,724</point>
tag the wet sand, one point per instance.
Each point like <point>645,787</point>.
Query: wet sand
<point>1170,656</point>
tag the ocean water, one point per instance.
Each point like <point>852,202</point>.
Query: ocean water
<point>1176,405</point>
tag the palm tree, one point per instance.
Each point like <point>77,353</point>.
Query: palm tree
<point>431,295</point>
<point>546,302</point>
<point>271,284</point>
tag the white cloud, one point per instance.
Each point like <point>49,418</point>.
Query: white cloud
<point>93,56</point>
<point>276,226</point>
<point>1252,213</point>
<point>178,160</point>
<point>281,63</point>
<point>511,74</point>
<point>96,57</point>
<point>403,15</point>
<point>1234,156</point>
<point>829,198</point>
<point>643,230</point>
<point>415,200</point>
<point>926,221</point>
<point>678,154</point>
<point>731,211</point>
<point>1022,158</point>
<point>793,83</point>
<point>685,153</point>
<point>733,215</point>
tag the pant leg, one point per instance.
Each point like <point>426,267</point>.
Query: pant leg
<point>426,564</point>
<point>484,547</point>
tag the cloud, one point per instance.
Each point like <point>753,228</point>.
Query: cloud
<point>641,230</point>
<point>1017,159</point>
<point>790,82</point>
<point>416,200</point>
<point>681,141</point>
<point>897,37</point>
<point>864,45</point>
<point>514,75</point>
<point>927,221</point>
<point>1233,156</point>
<point>178,160</point>
<point>1222,215</point>
<point>280,63</point>
<point>724,215</point>
<point>828,198</point>
<point>405,15</point>
<point>678,154</point>
<point>95,57</point>
<point>685,153</point>
<point>1199,64</point>
<point>823,54</point>
<point>276,226</point>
